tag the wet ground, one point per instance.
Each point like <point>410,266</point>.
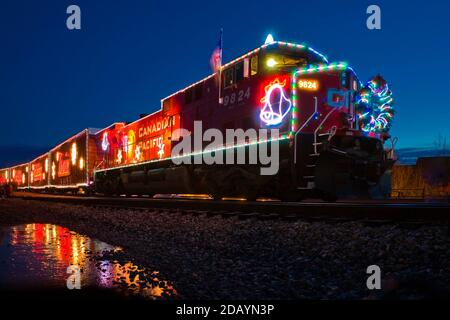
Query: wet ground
<point>215,257</point>
<point>37,256</point>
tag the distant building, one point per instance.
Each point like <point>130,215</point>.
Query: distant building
<point>429,178</point>
<point>410,155</point>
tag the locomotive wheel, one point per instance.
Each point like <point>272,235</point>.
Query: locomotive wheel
<point>88,192</point>
<point>107,188</point>
<point>327,196</point>
<point>290,196</point>
<point>251,194</point>
<point>242,186</point>
<point>216,196</point>
<point>119,188</point>
<point>361,190</point>
<point>232,182</point>
<point>285,189</point>
<point>214,190</point>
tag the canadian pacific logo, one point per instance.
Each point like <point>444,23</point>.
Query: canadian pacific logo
<point>276,104</point>
<point>156,126</point>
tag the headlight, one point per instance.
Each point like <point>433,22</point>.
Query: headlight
<point>271,62</point>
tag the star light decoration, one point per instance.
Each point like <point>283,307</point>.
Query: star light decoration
<point>119,156</point>
<point>161,150</point>
<point>269,39</point>
<point>137,153</point>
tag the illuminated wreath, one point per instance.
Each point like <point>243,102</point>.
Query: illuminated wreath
<point>374,106</point>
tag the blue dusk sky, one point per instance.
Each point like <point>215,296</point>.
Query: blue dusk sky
<point>130,54</point>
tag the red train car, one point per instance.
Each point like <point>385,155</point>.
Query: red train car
<point>39,172</point>
<point>19,176</point>
<point>323,148</point>
<point>72,162</point>
<point>146,140</point>
<point>67,167</point>
<point>327,144</point>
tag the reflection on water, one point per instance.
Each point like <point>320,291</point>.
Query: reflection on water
<point>37,256</point>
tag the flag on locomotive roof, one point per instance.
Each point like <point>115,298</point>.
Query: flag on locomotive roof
<point>216,57</point>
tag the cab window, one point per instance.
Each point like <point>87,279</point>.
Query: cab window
<point>254,65</point>
<point>228,77</point>
<point>239,71</point>
<point>282,61</point>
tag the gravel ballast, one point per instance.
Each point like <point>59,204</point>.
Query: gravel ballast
<point>208,256</point>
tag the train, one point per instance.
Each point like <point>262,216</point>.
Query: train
<point>330,142</point>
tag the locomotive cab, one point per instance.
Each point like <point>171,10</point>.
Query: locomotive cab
<point>280,59</point>
<point>332,156</point>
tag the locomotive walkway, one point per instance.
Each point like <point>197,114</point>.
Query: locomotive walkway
<point>374,211</point>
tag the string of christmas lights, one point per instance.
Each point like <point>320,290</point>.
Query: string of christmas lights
<point>374,106</point>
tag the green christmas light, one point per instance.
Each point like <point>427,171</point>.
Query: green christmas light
<point>374,106</point>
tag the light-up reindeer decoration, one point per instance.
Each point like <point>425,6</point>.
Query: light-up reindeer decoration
<point>276,104</point>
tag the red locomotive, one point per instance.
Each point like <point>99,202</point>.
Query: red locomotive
<point>330,137</point>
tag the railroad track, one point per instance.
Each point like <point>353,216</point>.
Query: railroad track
<point>372,213</point>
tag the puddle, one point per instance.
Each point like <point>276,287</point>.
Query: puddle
<point>36,256</point>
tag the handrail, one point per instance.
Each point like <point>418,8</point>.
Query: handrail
<point>301,128</point>
<point>318,128</point>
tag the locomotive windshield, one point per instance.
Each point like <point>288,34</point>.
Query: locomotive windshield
<point>285,59</point>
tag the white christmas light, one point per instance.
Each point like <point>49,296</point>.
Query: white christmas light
<point>269,39</point>
<point>74,153</point>
<point>105,142</point>
<point>277,106</point>
<point>137,153</point>
<point>161,150</point>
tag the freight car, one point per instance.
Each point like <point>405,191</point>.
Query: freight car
<point>38,172</point>
<point>67,167</point>
<point>331,134</point>
<point>19,175</point>
<point>4,176</point>
<point>71,163</point>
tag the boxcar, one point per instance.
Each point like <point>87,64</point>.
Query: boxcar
<point>4,176</point>
<point>107,142</point>
<point>39,172</point>
<point>71,163</point>
<point>19,175</point>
